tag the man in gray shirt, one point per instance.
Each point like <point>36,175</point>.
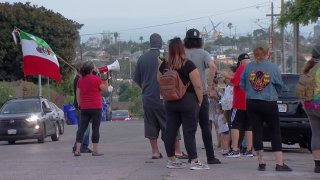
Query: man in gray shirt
<point>202,59</point>
<point>154,112</point>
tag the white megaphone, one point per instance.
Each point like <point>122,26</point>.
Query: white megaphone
<point>115,66</point>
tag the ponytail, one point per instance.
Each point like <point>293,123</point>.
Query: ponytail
<point>310,64</point>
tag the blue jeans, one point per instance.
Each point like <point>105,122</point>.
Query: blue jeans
<point>85,141</point>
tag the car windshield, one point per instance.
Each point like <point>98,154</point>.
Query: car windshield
<point>119,113</point>
<point>21,107</point>
<point>289,83</point>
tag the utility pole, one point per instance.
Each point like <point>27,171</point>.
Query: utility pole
<point>271,43</point>
<point>271,35</point>
<point>283,58</point>
<point>296,63</point>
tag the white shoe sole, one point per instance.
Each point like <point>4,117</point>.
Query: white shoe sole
<point>176,167</point>
<point>233,156</point>
<point>198,168</point>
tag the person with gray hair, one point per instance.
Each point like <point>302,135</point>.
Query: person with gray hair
<point>154,112</point>
<point>85,142</point>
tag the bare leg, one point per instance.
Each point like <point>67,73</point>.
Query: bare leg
<point>178,148</point>
<point>78,147</point>
<point>260,157</point>
<point>248,135</point>
<point>279,157</point>
<point>95,147</point>
<point>316,154</point>
<point>235,139</point>
<point>154,147</point>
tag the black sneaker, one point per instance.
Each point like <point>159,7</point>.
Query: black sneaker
<point>233,154</point>
<point>262,167</point>
<point>248,154</point>
<point>317,169</point>
<point>85,150</point>
<point>213,161</point>
<point>284,167</point>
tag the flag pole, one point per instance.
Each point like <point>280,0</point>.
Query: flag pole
<point>65,61</point>
<point>48,88</point>
<point>39,84</point>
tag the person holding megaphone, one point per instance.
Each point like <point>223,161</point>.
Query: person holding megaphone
<point>89,99</point>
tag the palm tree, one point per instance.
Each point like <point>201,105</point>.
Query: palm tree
<point>141,39</point>
<point>230,27</point>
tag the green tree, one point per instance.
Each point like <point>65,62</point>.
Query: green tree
<point>301,11</point>
<point>60,33</point>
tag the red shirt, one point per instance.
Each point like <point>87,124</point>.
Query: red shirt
<point>239,95</point>
<point>90,97</point>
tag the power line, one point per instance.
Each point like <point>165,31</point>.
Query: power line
<point>187,20</point>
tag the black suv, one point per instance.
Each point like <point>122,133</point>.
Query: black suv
<point>28,118</point>
<point>294,122</point>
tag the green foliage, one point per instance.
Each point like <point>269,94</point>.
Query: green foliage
<point>60,33</point>
<point>301,11</point>
<point>130,92</point>
<point>6,92</point>
<point>65,87</point>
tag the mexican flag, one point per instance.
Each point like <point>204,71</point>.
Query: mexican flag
<point>38,57</point>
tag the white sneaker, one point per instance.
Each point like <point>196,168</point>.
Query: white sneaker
<point>198,165</point>
<point>175,164</point>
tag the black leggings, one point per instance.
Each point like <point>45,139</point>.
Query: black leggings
<point>87,115</point>
<point>260,111</point>
<point>183,112</point>
<point>205,128</point>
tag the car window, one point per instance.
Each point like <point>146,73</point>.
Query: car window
<point>45,105</point>
<point>289,83</point>
<point>16,107</point>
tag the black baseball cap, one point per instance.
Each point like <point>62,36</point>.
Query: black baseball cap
<point>193,34</point>
<point>243,56</point>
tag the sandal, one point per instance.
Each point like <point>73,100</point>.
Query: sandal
<point>76,153</point>
<point>182,156</point>
<point>157,157</point>
<point>96,154</point>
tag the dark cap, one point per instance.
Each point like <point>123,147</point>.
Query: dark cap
<point>243,56</point>
<point>155,41</point>
<point>316,52</point>
<point>193,34</point>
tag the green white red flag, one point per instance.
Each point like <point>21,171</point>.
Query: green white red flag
<point>38,57</point>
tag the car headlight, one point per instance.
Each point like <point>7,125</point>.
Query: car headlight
<point>32,118</point>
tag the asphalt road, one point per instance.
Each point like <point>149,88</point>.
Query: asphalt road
<point>127,156</point>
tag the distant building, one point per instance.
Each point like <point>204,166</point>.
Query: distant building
<point>316,31</point>
<point>94,42</point>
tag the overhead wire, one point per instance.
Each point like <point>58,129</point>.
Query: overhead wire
<point>186,20</point>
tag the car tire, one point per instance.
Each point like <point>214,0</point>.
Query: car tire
<point>11,142</point>
<point>42,135</point>
<point>61,127</point>
<point>56,135</point>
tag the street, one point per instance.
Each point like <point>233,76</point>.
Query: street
<point>127,156</point>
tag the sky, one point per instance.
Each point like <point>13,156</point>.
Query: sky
<point>170,18</point>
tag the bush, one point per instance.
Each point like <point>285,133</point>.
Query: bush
<point>6,92</point>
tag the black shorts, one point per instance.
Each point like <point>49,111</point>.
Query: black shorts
<point>154,121</point>
<point>240,120</point>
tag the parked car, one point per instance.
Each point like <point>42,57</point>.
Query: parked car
<point>294,122</point>
<point>120,115</point>
<point>59,115</point>
<point>28,118</point>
